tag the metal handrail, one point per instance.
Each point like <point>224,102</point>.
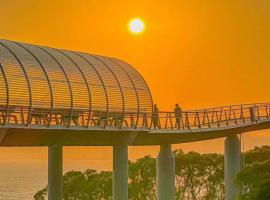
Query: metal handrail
<point>186,120</point>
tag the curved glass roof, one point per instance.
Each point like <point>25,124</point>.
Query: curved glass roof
<point>39,84</point>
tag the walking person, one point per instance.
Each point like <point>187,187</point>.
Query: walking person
<point>156,117</point>
<point>178,116</point>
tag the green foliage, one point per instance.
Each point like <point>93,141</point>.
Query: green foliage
<point>258,154</point>
<point>40,195</point>
<point>142,179</point>
<point>254,180</point>
<point>87,185</point>
<point>263,192</point>
<point>198,177</point>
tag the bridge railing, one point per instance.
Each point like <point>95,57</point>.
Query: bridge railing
<point>78,118</point>
<point>213,117</point>
<point>187,120</point>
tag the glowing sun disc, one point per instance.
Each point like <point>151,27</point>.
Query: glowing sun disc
<point>136,26</point>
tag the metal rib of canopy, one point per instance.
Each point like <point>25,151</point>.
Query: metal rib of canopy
<point>42,86</point>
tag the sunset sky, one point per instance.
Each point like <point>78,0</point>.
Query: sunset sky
<point>197,53</point>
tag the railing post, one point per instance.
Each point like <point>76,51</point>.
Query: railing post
<point>258,112</point>
<point>55,172</point>
<point>266,111</point>
<point>220,116</point>
<point>242,114</point>
<point>198,119</point>
<point>208,121</point>
<point>187,121</point>
<point>204,114</point>
<point>234,116</point>
<point>230,112</point>
<point>212,117</point>
<point>217,119</point>
<point>166,120</point>
<point>171,121</point>
<point>226,118</point>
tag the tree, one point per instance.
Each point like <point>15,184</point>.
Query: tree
<point>87,185</point>
<point>258,154</point>
<point>40,195</point>
<point>142,179</point>
<point>198,177</point>
<point>263,192</point>
<point>254,181</point>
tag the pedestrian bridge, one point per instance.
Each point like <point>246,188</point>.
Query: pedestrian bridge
<point>52,97</point>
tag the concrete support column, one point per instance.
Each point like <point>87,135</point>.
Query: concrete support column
<point>120,172</point>
<point>55,172</point>
<point>166,173</point>
<point>232,157</point>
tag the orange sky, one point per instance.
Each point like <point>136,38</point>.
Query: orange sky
<point>197,53</point>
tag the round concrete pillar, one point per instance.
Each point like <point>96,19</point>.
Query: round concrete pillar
<point>55,172</point>
<point>232,165</point>
<point>166,173</point>
<point>120,172</point>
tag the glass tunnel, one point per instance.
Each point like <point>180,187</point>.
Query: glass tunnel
<point>48,87</point>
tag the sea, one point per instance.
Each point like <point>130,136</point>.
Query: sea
<point>21,179</point>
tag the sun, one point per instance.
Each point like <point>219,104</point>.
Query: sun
<point>136,26</point>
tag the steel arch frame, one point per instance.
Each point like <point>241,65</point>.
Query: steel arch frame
<point>46,75</point>
<point>110,89</point>
<point>119,85</point>
<point>147,87</point>
<point>81,55</point>
<point>7,93</point>
<point>27,81</point>
<point>86,84</point>
<point>67,79</point>
<point>135,89</point>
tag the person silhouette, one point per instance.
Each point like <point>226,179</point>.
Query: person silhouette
<point>178,116</point>
<point>156,117</point>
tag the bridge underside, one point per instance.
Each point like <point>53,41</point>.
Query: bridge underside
<point>81,137</point>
